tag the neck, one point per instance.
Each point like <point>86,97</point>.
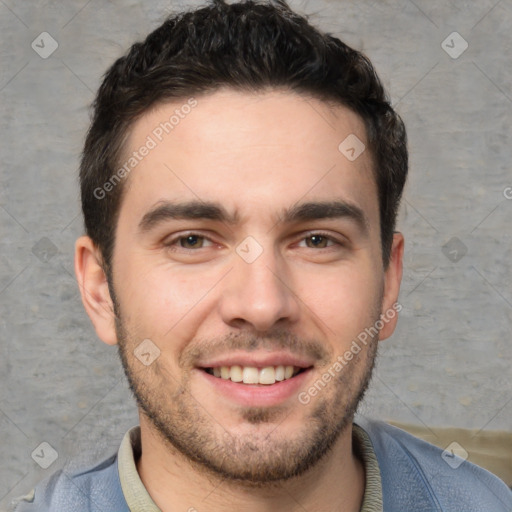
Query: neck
<point>337,482</point>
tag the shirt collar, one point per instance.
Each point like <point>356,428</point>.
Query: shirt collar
<point>135,494</point>
<point>138,498</point>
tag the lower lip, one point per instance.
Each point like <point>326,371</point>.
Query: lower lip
<point>257,395</point>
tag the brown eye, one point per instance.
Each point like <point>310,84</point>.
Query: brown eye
<point>318,241</point>
<point>191,241</point>
<point>188,242</point>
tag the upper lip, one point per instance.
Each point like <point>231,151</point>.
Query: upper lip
<point>258,360</point>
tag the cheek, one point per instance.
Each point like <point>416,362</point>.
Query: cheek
<point>159,301</point>
<point>346,299</point>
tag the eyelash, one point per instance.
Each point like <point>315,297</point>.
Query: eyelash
<point>171,243</point>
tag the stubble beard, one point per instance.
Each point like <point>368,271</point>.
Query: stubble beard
<point>265,456</point>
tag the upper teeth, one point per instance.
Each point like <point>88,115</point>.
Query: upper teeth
<point>253,375</point>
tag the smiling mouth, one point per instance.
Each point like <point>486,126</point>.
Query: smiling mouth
<point>267,375</point>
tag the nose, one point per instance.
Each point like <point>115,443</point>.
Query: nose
<point>259,294</point>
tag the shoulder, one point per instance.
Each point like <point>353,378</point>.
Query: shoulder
<point>87,489</point>
<point>417,475</point>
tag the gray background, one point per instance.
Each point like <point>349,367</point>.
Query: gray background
<point>448,363</point>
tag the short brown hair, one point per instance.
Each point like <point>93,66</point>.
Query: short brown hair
<point>250,46</point>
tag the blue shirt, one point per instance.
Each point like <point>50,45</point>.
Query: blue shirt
<point>414,477</point>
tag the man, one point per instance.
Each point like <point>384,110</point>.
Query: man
<point>240,183</point>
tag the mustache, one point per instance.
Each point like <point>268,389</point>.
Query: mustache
<point>250,342</point>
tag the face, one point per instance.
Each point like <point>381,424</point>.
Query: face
<point>248,257</point>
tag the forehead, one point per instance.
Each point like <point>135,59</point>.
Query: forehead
<point>257,154</point>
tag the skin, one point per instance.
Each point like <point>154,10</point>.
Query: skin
<point>256,154</point>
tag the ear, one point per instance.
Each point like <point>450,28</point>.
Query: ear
<point>392,280</point>
<point>93,285</point>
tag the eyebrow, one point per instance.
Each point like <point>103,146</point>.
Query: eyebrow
<point>201,210</point>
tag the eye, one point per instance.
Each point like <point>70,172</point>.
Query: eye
<point>195,241</point>
<point>189,241</point>
<point>320,241</point>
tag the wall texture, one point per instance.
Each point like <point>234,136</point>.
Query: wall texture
<point>448,68</point>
